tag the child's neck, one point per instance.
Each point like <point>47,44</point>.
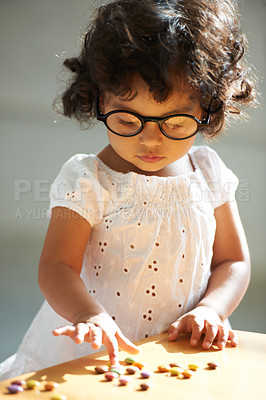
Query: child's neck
<point>110,158</point>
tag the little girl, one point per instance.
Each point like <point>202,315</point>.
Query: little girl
<point>145,237</point>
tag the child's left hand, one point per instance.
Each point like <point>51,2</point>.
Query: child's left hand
<point>200,321</point>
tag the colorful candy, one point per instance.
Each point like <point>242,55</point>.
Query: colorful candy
<point>213,365</point>
<point>138,364</point>
<point>49,386</point>
<point>146,374</point>
<point>146,385</point>
<point>130,360</point>
<point>111,375</point>
<point>175,365</point>
<point>118,369</point>
<point>15,388</point>
<point>175,371</point>
<point>193,366</point>
<point>163,368</point>
<point>32,384</point>
<point>18,382</point>
<point>187,373</point>
<point>59,397</point>
<point>124,380</point>
<point>132,369</point>
<point>101,369</point>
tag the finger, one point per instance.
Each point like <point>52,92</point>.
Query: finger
<point>111,345</point>
<point>222,337</point>
<point>210,335</point>
<point>67,330</point>
<point>80,333</point>
<point>95,337</point>
<point>125,344</point>
<point>175,329</point>
<point>233,338</point>
<point>197,331</point>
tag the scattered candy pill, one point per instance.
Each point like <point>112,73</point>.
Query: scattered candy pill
<point>146,386</point>
<point>32,384</point>
<point>163,368</point>
<point>119,370</point>
<point>50,386</point>
<point>124,380</point>
<point>194,367</point>
<point>138,364</point>
<point>130,360</point>
<point>15,388</point>
<point>59,397</point>
<point>175,365</point>
<point>187,373</point>
<point>109,376</point>
<point>213,365</point>
<point>146,374</point>
<point>132,370</point>
<point>101,369</point>
<point>175,371</point>
<point>18,382</point>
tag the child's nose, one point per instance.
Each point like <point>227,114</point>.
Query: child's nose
<point>151,134</point>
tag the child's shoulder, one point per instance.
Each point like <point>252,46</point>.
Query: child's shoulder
<point>78,164</point>
<point>207,160</point>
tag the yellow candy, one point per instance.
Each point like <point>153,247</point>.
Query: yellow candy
<point>175,371</point>
<point>58,397</point>
<point>194,367</point>
<point>31,383</point>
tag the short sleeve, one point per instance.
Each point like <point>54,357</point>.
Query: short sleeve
<point>78,188</point>
<point>221,181</point>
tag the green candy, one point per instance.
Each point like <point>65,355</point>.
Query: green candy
<point>130,360</point>
<point>119,371</point>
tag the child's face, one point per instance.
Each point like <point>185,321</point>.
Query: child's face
<point>150,151</point>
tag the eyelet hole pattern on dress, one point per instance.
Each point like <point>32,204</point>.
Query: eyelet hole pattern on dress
<point>151,291</point>
<point>97,269</point>
<point>102,245</point>
<point>148,316</point>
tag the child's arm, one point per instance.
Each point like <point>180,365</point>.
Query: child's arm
<point>227,284</point>
<point>59,279</point>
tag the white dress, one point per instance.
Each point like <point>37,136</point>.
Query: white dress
<point>149,254</point>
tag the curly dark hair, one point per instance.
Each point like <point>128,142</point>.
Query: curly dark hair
<point>163,42</point>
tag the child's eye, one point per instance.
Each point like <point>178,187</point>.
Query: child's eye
<point>179,126</point>
<point>126,122</point>
<point>175,126</point>
<point>123,123</point>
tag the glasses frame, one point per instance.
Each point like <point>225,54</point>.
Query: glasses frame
<point>200,124</point>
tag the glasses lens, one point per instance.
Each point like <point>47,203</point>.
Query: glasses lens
<point>123,123</point>
<point>179,127</point>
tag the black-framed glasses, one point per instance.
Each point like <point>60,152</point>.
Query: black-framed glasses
<point>176,126</point>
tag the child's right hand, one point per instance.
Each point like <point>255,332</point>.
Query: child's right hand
<point>99,330</point>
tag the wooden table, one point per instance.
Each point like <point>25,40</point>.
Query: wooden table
<point>241,374</point>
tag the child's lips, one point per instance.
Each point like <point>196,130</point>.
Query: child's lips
<point>150,158</point>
